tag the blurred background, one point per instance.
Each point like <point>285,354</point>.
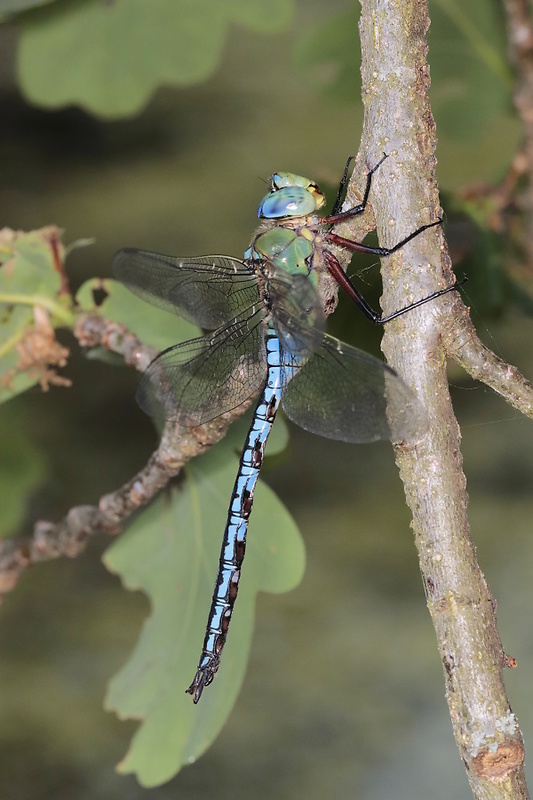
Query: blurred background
<point>344,694</point>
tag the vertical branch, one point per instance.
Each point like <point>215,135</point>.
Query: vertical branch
<point>398,120</point>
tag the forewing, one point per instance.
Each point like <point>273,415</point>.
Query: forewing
<point>198,380</point>
<point>346,394</point>
<point>208,291</point>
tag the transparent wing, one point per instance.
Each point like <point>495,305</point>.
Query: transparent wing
<point>346,394</point>
<point>198,380</point>
<point>209,291</point>
<point>297,313</point>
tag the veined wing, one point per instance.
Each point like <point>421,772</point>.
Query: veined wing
<point>209,291</point>
<point>346,394</point>
<point>198,380</point>
<point>297,313</point>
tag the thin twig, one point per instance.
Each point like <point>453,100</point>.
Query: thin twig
<point>178,446</point>
<point>398,119</point>
<point>462,343</point>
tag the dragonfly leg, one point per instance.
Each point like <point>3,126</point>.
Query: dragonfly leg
<point>342,186</point>
<point>336,271</point>
<point>336,214</point>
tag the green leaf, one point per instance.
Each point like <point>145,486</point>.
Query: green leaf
<point>151,325</point>
<point>171,552</point>
<point>33,300</point>
<point>16,6</point>
<point>123,51</point>
<point>22,468</point>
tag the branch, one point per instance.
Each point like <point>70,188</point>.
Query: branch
<point>178,445</point>
<point>462,343</point>
<point>398,120</point>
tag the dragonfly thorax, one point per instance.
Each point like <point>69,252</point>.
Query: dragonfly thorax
<point>290,195</point>
<point>288,247</point>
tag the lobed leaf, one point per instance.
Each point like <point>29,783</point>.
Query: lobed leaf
<point>171,552</point>
<point>124,51</point>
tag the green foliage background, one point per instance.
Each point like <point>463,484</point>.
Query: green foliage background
<point>156,130</point>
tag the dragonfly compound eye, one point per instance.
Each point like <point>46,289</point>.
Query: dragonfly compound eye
<point>290,201</point>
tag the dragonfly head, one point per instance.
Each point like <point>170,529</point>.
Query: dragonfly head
<point>290,196</point>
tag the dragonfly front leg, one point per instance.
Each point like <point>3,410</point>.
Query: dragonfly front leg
<point>337,215</point>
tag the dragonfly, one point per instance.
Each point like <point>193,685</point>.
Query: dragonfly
<point>264,333</point>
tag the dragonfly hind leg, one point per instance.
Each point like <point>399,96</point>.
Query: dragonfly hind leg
<point>336,271</point>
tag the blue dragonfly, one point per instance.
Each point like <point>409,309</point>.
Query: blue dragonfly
<point>265,333</point>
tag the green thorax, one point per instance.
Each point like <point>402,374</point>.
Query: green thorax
<point>289,249</point>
